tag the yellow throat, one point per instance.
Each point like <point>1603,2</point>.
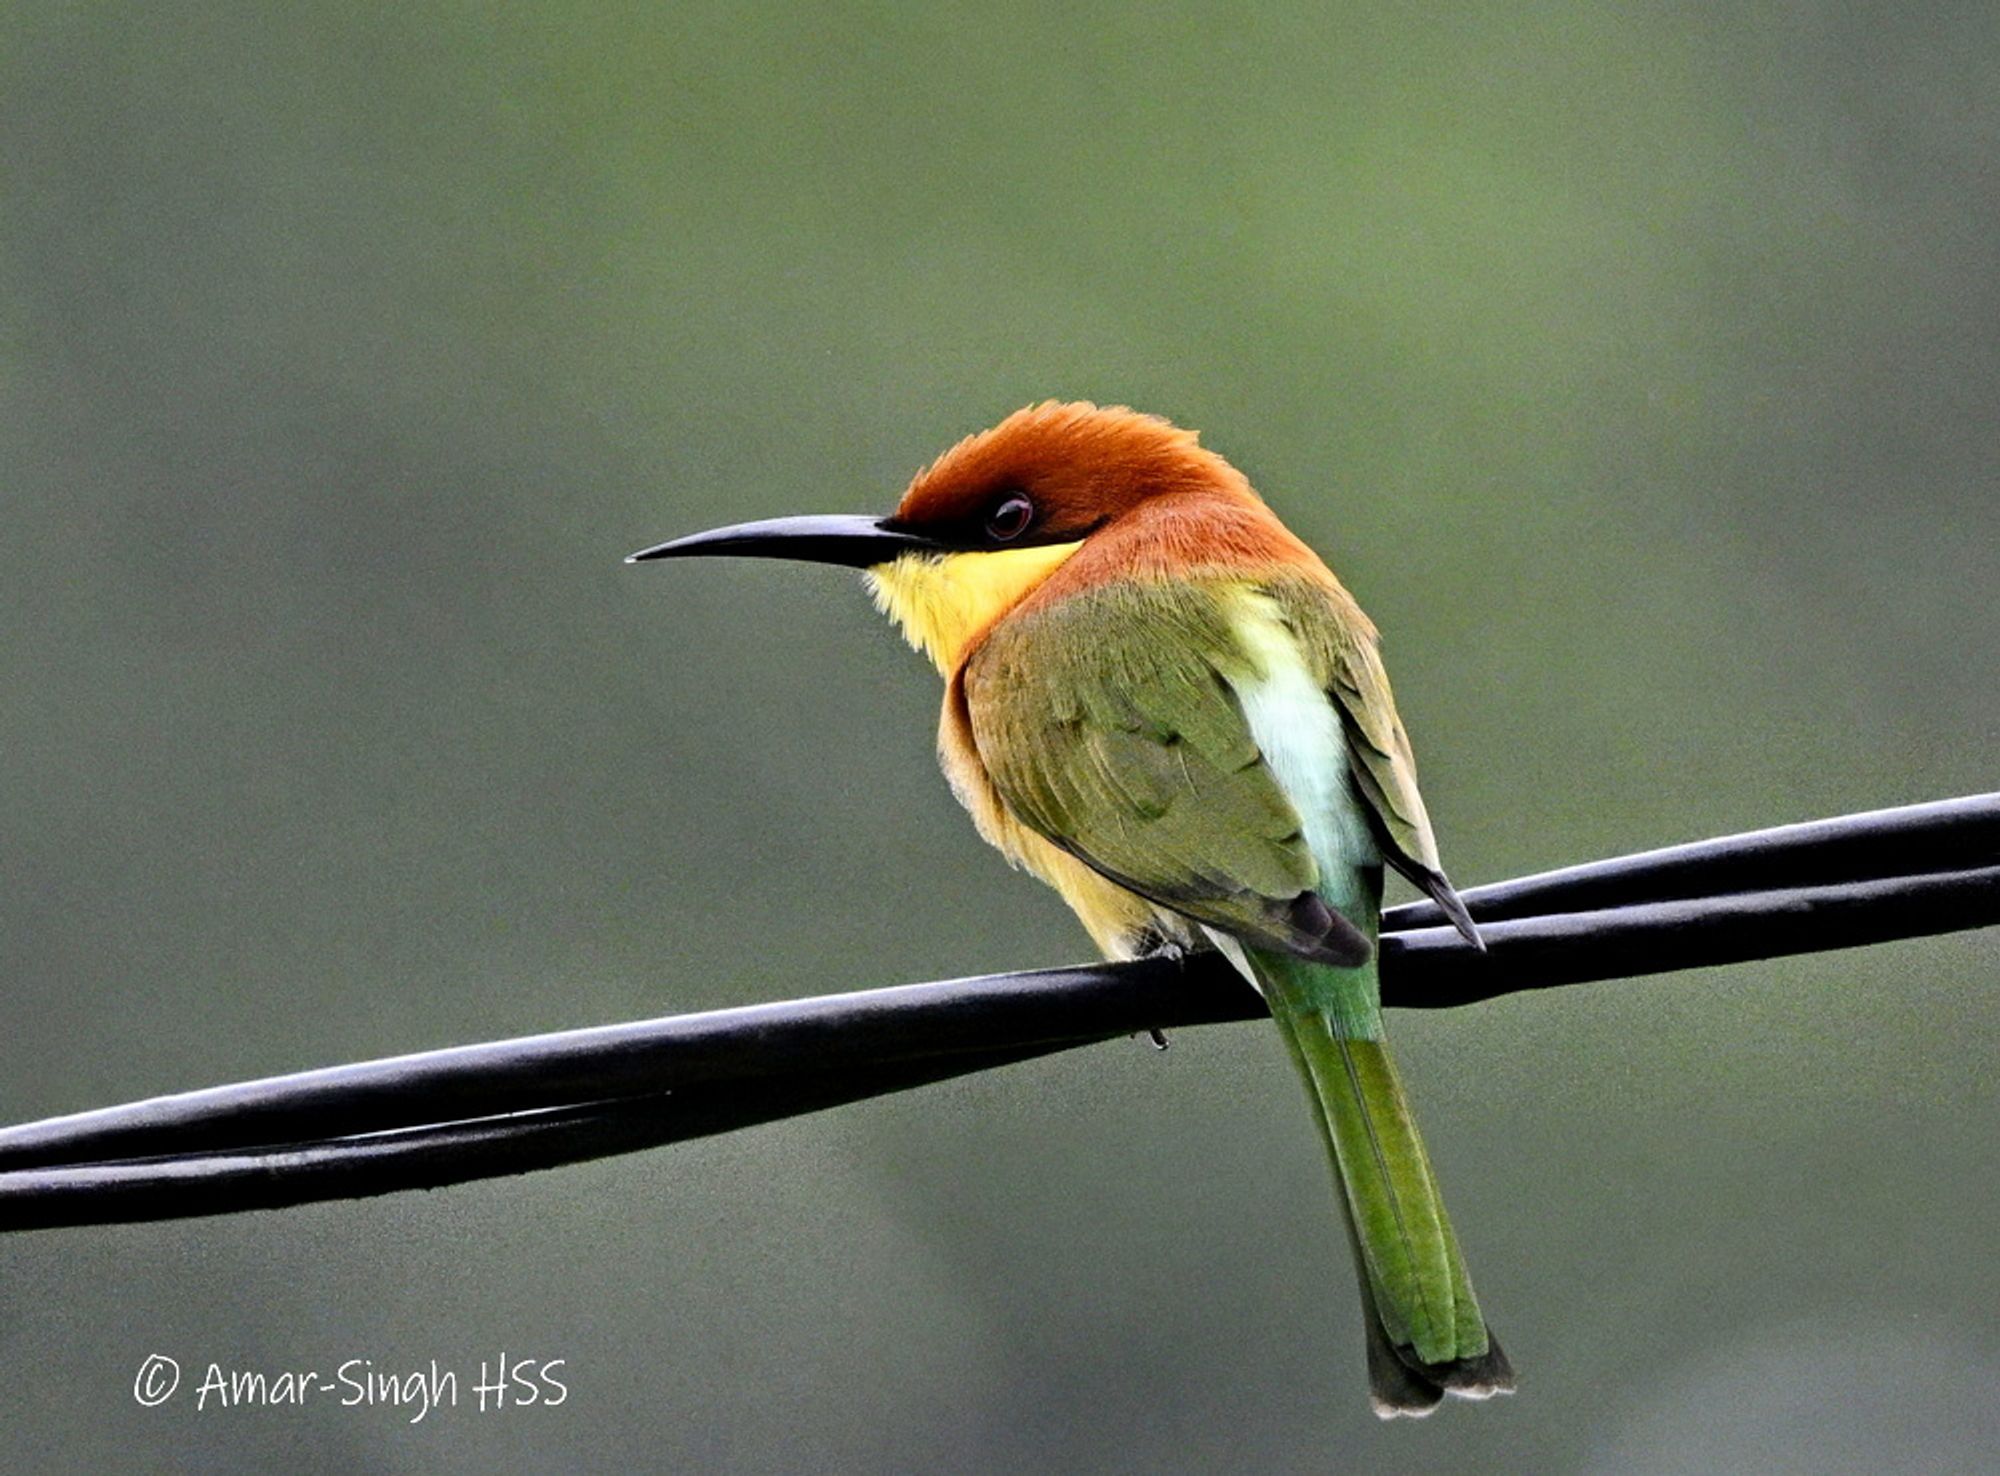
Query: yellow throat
<point>943,601</point>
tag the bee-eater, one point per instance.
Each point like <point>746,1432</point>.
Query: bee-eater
<point>1164,705</point>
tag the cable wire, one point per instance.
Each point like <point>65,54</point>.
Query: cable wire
<point>503,1107</point>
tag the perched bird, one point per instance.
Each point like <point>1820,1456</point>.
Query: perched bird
<point>1164,705</point>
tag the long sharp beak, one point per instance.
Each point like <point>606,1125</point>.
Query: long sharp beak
<point>856,542</point>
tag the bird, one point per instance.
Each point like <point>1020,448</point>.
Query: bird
<point>1164,704</point>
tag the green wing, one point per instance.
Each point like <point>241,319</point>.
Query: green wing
<point>1340,646</point>
<point>1108,726</point>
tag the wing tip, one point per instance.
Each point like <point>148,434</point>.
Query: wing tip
<point>1441,891</point>
<point>1322,934</point>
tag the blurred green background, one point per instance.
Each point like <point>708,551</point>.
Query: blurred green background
<point>1639,367</point>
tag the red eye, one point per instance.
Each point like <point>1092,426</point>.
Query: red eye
<point>1010,518</point>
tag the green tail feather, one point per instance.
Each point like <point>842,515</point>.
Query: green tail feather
<point>1426,1336</point>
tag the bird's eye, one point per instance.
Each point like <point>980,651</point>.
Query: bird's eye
<point>1010,518</point>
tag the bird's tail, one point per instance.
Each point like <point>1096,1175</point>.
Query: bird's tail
<point>1426,1337</point>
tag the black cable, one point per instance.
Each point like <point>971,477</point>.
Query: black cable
<point>1943,835</point>
<point>430,1157</point>
<point>1089,1002</point>
<point>732,1068</point>
<point>1652,938</point>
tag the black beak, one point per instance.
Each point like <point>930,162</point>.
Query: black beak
<point>856,542</point>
